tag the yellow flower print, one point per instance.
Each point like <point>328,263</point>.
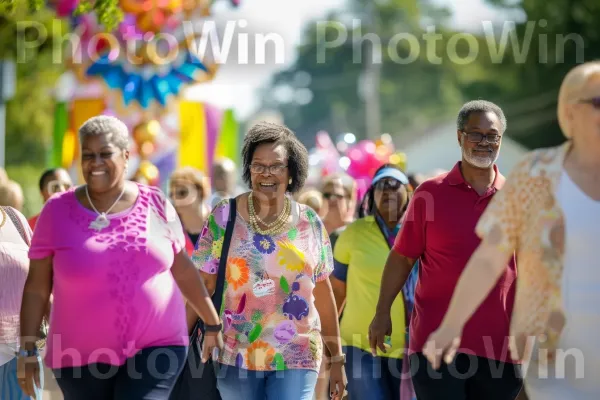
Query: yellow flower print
<point>260,356</point>
<point>217,246</point>
<point>290,257</point>
<point>237,273</point>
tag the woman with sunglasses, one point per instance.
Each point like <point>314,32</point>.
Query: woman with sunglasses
<point>359,258</point>
<point>188,189</point>
<point>339,198</point>
<point>549,213</point>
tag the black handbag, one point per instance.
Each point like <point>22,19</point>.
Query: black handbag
<point>198,380</point>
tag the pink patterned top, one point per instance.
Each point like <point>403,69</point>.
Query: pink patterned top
<point>14,266</point>
<point>269,317</point>
<point>113,290</point>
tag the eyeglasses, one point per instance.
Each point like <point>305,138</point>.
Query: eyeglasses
<point>594,101</point>
<point>476,137</point>
<point>391,184</point>
<point>328,196</point>
<point>275,169</point>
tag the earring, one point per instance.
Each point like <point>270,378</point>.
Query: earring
<point>290,181</point>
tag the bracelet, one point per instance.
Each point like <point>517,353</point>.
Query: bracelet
<point>341,359</point>
<point>213,328</point>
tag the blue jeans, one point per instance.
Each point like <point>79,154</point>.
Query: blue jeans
<point>9,384</point>
<point>372,378</point>
<point>241,384</point>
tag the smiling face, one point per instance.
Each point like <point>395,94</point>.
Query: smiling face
<point>480,139</point>
<point>102,163</point>
<point>269,173</point>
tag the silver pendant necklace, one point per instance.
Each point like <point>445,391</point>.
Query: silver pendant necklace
<point>101,220</point>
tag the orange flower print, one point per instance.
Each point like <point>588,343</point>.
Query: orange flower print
<point>260,356</point>
<point>237,273</point>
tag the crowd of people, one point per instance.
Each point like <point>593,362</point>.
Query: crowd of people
<point>467,285</point>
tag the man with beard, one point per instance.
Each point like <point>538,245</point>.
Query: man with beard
<point>439,231</point>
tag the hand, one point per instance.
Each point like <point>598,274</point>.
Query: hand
<point>380,327</point>
<point>28,374</point>
<point>212,340</point>
<point>337,381</point>
<point>443,343</point>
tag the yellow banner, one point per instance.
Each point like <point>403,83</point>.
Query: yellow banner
<point>81,111</point>
<point>192,130</point>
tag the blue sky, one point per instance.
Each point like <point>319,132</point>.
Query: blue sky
<point>237,86</point>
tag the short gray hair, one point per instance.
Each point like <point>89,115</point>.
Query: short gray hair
<point>479,106</point>
<point>105,125</point>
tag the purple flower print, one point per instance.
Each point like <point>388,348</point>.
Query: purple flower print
<point>285,331</point>
<point>221,216</point>
<point>211,267</point>
<point>264,243</point>
<point>295,307</point>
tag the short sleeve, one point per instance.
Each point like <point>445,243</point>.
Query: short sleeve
<point>503,216</point>
<point>176,227</point>
<point>325,265</point>
<point>42,241</point>
<point>207,253</point>
<point>343,246</point>
<point>410,241</point>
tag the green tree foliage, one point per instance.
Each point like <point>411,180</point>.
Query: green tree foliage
<point>556,36</point>
<point>29,118</point>
<point>414,92</point>
<point>108,11</point>
<point>520,67</point>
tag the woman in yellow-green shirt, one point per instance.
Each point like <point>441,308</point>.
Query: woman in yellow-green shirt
<point>360,255</point>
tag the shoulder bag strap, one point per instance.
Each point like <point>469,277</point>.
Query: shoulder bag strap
<point>17,223</point>
<point>217,297</point>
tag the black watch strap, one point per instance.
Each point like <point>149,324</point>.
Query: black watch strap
<point>213,328</point>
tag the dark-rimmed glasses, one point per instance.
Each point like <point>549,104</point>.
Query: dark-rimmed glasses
<point>276,169</point>
<point>476,137</point>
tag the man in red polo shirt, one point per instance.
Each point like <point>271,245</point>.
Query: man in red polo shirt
<point>439,230</point>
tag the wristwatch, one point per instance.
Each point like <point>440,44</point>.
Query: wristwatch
<point>213,328</point>
<point>341,359</point>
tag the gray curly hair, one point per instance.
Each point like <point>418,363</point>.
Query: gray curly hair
<point>105,125</point>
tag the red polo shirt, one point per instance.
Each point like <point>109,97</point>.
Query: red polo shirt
<point>439,230</point>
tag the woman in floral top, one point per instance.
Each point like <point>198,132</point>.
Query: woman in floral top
<point>278,306</point>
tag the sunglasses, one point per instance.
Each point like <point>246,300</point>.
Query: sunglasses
<point>329,196</point>
<point>391,184</point>
<point>594,101</point>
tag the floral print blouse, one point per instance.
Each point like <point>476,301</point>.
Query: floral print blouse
<point>526,217</point>
<point>270,321</point>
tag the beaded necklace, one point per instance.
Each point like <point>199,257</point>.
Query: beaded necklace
<point>274,227</point>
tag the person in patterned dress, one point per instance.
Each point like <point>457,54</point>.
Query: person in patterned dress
<point>278,305</point>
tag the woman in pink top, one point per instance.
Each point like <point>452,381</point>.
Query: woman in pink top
<point>112,254</point>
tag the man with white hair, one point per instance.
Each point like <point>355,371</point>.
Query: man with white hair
<point>439,231</point>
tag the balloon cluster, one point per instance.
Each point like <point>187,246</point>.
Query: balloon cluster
<point>151,55</point>
<point>360,159</point>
